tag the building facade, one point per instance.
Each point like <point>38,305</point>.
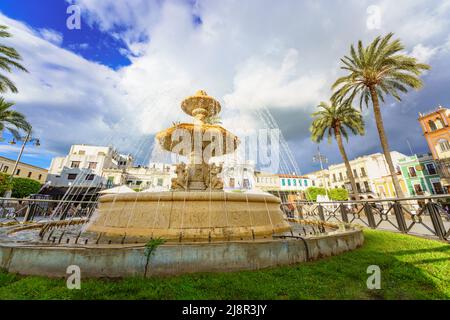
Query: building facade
<point>436,130</point>
<point>366,171</point>
<point>84,166</point>
<point>238,175</point>
<point>155,177</point>
<point>23,170</point>
<point>421,175</point>
<point>384,187</point>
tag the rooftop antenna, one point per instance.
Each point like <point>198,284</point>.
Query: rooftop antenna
<point>410,148</point>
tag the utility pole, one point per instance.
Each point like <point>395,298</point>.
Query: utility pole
<point>321,159</point>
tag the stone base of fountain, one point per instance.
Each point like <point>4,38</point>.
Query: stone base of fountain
<point>188,216</point>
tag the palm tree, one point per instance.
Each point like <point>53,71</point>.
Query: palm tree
<point>335,120</point>
<point>11,120</point>
<point>374,72</point>
<point>9,59</point>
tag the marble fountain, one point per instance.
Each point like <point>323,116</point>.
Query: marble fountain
<point>199,227</point>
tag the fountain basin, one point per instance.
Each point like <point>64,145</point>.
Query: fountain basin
<point>185,216</point>
<point>173,258</point>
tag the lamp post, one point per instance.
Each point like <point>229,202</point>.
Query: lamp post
<point>321,159</point>
<point>27,139</point>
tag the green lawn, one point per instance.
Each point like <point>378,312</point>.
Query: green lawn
<point>411,268</point>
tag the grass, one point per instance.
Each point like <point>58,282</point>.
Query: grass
<point>411,268</point>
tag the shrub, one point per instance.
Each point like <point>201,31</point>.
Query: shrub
<point>338,194</point>
<point>5,184</point>
<point>23,187</point>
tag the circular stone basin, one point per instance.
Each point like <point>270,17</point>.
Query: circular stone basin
<point>197,216</point>
<point>226,141</point>
<point>201,100</point>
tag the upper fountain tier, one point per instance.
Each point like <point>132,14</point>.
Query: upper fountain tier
<point>201,106</point>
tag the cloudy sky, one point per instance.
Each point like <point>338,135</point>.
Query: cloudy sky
<point>120,78</point>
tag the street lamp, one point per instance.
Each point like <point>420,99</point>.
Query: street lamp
<point>319,157</point>
<point>27,139</point>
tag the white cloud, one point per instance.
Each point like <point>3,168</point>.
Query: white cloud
<point>249,54</point>
<point>51,36</point>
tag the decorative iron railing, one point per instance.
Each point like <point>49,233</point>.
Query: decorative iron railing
<point>428,216</point>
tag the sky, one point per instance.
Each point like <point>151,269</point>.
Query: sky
<point>120,77</point>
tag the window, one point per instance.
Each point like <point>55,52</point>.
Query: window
<point>355,174</point>
<point>40,177</point>
<point>334,177</point>
<point>81,152</point>
<point>412,172</point>
<point>306,183</point>
<point>299,182</point>
<point>110,182</point>
<point>283,182</point>
<point>246,184</point>
<point>138,183</point>
<point>432,125</point>
<point>101,154</point>
<point>366,186</point>
<point>340,176</point>
<point>418,189</point>
<point>439,123</point>
<point>75,164</point>
<point>363,172</point>
<point>71,176</point>
<point>431,168</point>
<point>444,145</point>
<point>295,182</point>
<point>160,182</point>
<point>17,172</point>
<point>5,169</point>
<point>90,177</point>
<point>358,187</point>
<point>289,182</point>
<point>232,182</point>
<point>438,188</point>
<point>93,165</point>
<point>29,174</point>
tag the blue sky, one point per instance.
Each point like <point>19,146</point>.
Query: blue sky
<point>120,78</point>
<point>88,42</point>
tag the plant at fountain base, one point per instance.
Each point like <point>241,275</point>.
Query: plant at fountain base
<point>150,248</point>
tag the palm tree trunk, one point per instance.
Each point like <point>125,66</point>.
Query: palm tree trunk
<point>338,136</point>
<point>384,141</point>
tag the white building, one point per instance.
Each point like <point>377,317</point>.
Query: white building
<point>84,166</point>
<point>238,176</point>
<point>155,177</point>
<point>366,170</point>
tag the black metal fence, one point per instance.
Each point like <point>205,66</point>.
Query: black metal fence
<point>428,216</point>
<point>27,210</point>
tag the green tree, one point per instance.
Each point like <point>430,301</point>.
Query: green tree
<point>5,183</point>
<point>374,72</point>
<point>24,187</point>
<point>9,59</point>
<point>12,120</point>
<point>335,120</point>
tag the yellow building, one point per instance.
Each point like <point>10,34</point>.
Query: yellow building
<point>436,130</point>
<point>23,170</point>
<point>384,187</point>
